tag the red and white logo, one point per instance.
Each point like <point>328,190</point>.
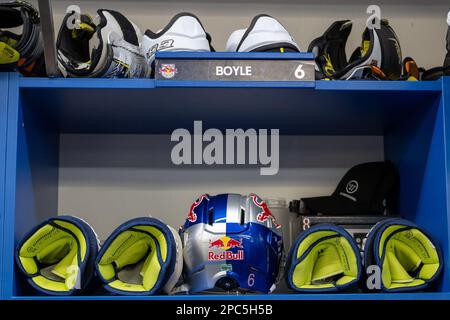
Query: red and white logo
<point>265,213</point>
<point>225,244</point>
<point>168,71</point>
<point>192,216</point>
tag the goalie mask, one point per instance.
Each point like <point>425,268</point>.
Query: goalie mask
<point>107,46</point>
<point>23,52</point>
<point>379,56</point>
<point>57,256</point>
<point>141,257</point>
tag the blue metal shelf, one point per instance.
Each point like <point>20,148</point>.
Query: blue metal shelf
<point>63,83</point>
<point>344,296</point>
<point>128,106</point>
<point>357,85</point>
<point>390,86</point>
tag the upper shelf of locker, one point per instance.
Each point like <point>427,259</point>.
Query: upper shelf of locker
<point>232,57</point>
<point>354,85</point>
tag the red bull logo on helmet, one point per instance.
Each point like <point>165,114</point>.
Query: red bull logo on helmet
<point>192,216</point>
<point>225,244</point>
<point>265,212</point>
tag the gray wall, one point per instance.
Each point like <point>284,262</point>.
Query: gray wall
<point>108,179</point>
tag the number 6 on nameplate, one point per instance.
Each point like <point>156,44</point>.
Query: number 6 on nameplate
<point>299,72</point>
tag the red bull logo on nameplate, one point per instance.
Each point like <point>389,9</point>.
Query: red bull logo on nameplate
<point>167,70</point>
<point>225,244</point>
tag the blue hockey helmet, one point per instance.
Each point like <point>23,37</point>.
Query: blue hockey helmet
<point>231,242</point>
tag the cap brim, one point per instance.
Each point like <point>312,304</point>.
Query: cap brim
<point>333,205</point>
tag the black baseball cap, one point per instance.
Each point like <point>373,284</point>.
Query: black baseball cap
<point>366,189</point>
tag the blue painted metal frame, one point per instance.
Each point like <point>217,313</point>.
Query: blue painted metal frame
<point>416,117</point>
<point>139,106</point>
<point>446,111</point>
<point>418,146</point>
<point>4,77</point>
<point>356,85</point>
<point>250,297</point>
<point>10,187</point>
<point>31,177</point>
<point>80,83</point>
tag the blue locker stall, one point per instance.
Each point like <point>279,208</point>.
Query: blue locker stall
<point>3,116</point>
<point>412,118</point>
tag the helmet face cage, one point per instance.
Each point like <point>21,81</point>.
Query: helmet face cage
<point>231,242</point>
